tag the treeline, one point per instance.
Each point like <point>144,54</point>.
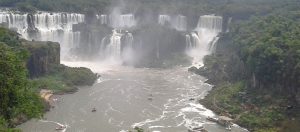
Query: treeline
<point>56,5</point>
<point>236,8</point>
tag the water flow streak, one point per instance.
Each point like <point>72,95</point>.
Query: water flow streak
<point>202,41</point>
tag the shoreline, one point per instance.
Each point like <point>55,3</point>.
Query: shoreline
<point>234,100</point>
<point>211,104</point>
<point>46,95</point>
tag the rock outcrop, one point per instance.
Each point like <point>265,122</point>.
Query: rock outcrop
<point>42,56</point>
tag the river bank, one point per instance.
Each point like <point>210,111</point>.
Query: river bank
<point>256,112</point>
<point>59,83</point>
<point>233,95</point>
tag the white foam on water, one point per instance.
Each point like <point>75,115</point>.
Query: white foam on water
<point>157,127</point>
<point>149,121</point>
<point>59,124</point>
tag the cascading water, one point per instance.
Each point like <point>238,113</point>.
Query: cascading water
<point>212,45</point>
<point>14,21</point>
<point>128,40</point>
<point>102,18</point>
<point>210,22</point>
<point>127,20</point>
<point>58,27</point>
<point>202,41</point>
<point>122,21</point>
<point>180,23</point>
<point>113,49</point>
<point>118,47</point>
<point>55,27</point>
<point>188,41</point>
<point>164,19</point>
<point>193,41</point>
<point>128,54</point>
<point>228,23</point>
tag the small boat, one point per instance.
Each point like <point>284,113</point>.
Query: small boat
<point>191,99</point>
<point>150,98</point>
<point>61,127</point>
<point>94,110</point>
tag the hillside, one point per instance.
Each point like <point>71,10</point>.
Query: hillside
<point>256,73</point>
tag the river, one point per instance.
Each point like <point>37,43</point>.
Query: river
<point>158,100</point>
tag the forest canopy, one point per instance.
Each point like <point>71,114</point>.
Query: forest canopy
<point>17,101</point>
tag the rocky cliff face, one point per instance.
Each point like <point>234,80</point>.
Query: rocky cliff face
<point>42,56</point>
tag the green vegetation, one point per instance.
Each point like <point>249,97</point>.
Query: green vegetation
<point>62,79</point>
<point>270,48</point>
<point>235,8</point>
<point>17,102</point>
<point>43,55</point>
<point>255,111</point>
<point>256,72</point>
<point>9,38</point>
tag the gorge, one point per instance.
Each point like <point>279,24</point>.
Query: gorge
<point>122,39</point>
<point>152,62</point>
<point>148,64</point>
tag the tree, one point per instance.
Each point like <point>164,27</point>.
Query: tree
<point>15,96</point>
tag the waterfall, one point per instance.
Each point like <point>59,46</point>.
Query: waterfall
<point>128,40</point>
<point>180,23</point>
<point>228,24</point>
<point>56,27</point>
<point>76,40</point>
<point>17,22</point>
<point>113,49</point>
<point>102,47</point>
<point>102,18</point>
<point>203,39</point>
<point>188,42</point>
<point>210,22</point>
<point>213,46</point>
<point>128,55</point>
<point>157,52</point>
<point>164,19</point>
<point>122,20</point>
<point>117,47</point>
<point>127,20</point>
